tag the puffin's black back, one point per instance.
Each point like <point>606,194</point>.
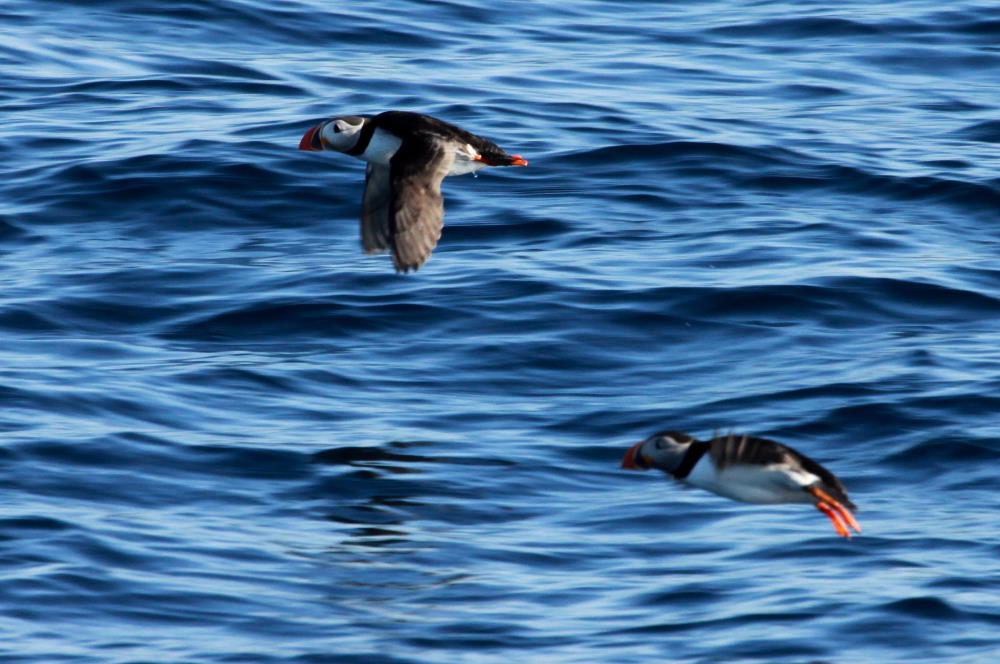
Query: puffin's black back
<point>417,125</point>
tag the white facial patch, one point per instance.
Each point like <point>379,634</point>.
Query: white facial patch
<point>339,135</point>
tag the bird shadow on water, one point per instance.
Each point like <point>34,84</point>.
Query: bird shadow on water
<point>374,491</point>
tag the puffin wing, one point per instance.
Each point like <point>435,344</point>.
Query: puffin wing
<point>416,213</point>
<point>375,205</point>
<point>733,450</point>
<point>728,451</point>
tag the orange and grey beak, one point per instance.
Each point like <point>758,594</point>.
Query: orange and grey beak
<point>629,460</point>
<point>311,140</point>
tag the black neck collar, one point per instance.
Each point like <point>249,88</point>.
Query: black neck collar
<point>364,138</point>
<point>695,452</point>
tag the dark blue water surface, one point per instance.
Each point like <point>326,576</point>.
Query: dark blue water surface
<point>229,436</point>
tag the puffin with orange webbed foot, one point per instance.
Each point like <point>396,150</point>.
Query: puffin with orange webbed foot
<point>752,470</point>
<point>408,156</point>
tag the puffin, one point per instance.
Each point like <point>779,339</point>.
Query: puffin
<point>408,154</point>
<point>748,469</point>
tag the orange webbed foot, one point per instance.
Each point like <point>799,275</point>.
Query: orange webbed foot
<point>836,512</point>
<point>838,522</point>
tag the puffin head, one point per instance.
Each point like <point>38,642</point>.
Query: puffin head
<point>663,450</point>
<point>340,134</point>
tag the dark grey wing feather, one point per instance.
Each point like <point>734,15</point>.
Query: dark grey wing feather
<point>731,450</point>
<point>417,210</point>
<point>375,206</point>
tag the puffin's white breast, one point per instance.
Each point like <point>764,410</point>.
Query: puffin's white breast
<point>381,147</point>
<point>751,483</point>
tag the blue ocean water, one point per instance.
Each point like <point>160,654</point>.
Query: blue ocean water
<point>229,436</point>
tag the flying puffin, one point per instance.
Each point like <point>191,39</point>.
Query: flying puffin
<point>752,470</point>
<point>408,155</point>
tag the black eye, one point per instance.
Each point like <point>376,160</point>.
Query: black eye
<point>337,129</point>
